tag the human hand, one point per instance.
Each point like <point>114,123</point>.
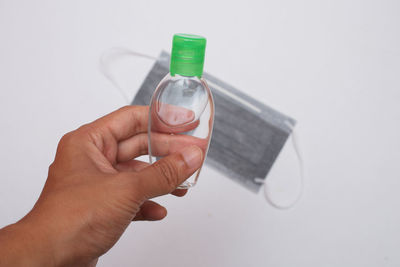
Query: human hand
<point>94,190</point>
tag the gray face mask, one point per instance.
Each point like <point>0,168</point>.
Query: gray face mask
<point>248,135</point>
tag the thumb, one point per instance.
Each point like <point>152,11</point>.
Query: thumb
<point>167,174</point>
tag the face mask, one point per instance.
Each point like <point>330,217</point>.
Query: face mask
<point>247,136</point>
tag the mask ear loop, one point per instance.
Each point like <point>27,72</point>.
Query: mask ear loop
<point>111,55</point>
<point>267,192</point>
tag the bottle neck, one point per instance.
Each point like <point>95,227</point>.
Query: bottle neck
<point>177,76</point>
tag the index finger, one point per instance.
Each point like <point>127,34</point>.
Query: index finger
<point>125,122</point>
<point>132,120</point>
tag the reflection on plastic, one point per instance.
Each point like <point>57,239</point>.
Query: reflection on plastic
<point>181,114</point>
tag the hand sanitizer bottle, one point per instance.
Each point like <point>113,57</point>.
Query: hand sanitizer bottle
<point>182,108</point>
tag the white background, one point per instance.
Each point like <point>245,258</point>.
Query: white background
<point>332,65</point>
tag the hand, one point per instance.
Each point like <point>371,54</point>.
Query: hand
<point>94,190</point>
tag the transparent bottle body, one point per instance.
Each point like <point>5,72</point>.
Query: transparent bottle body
<point>181,114</point>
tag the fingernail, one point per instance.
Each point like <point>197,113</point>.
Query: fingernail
<point>193,157</point>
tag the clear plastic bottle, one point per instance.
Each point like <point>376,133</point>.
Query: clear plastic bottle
<point>182,107</point>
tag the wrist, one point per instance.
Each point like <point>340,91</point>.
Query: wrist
<point>22,245</point>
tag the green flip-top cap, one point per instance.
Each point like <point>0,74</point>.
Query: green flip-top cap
<point>187,56</point>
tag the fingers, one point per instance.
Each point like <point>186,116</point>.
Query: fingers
<point>174,115</point>
<point>150,211</point>
<point>125,122</point>
<point>165,175</point>
<point>162,144</point>
<point>172,119</point>
<point>131,166</point>
<point>136,166</point>
<point>179,192</point>
<point>131,120</point>
<point>132,147</point>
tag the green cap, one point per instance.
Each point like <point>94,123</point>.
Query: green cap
<point>187,57</point>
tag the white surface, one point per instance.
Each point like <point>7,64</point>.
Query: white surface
<point>332,65</point>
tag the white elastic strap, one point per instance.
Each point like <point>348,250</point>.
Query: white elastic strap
<point>267,193</point>
<point>112,54</point>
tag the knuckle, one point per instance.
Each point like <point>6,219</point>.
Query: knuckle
<point>125,108</point>
<point>86,128</point>
<point>70,141</point>
<point>52,170</point>
<point>169,172</point>
<point>134,109</point>
<point>66,139</point>
<point>80,134</point>
<point>144,145</point>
